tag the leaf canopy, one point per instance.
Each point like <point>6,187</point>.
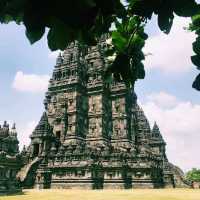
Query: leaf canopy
<point>87,20</point>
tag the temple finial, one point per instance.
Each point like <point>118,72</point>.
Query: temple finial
<point>13,131</point>
<point>156,132</point>
<point>5,124</point>
<point>14,126</point>
<point>59,59</point>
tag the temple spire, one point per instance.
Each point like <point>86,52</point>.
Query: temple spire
<point>42,127</point>
<point>156,132</point>
<point>14,126</point>
<point>5,124</point>
<point>13,131</point>
<point>143,124</point>
<point>59,60</point>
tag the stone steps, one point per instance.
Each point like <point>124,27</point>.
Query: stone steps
<point>22,174</point>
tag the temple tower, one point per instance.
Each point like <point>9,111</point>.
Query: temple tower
<point>123,129</point>
<point>93,134</point>
<point>99,103</point>
<point>157,142</point>
<point>66,101</point>
<point>10,159</point>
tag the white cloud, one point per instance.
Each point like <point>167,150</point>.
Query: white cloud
<point>24,133</point>
<point>171,53</point>
<point>54,54</point>
<point>163,99</point>
<point>179,125</point>
<point>30,82</point>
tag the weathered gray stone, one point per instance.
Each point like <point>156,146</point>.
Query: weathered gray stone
<point>93,134</point>
<point>10,160</point>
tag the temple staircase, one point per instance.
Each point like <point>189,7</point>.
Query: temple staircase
<point>179,176</point>
<point>26,174</point>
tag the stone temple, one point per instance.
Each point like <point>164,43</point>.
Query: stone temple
<point>92,134</point>
<point>10,160</point>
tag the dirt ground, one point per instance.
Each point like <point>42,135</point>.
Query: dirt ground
<point>136,194</point>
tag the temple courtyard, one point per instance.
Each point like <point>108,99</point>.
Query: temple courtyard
<point>137,194</point>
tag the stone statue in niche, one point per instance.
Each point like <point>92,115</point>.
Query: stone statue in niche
<point>92,127</point>
<point>120,127</point>
<point>118,106</point>
<point>51,109</point>
<point>92,105</point>
<point>117,128</point>
<point>71,103</point>
<point>70,119</point>
<point>53,106</point>
<point>70,128</point>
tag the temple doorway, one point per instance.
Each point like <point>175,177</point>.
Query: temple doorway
<point>58,134</point>
<point>36,149</point>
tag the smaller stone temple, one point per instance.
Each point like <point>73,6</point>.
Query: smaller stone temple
<point>10,161</point>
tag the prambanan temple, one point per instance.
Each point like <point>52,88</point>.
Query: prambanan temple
<point>10,159</point>
<point>93,134</point>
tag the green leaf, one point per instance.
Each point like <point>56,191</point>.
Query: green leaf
<point>195,25</point>
<point>143,35</point>
<point>90,3</point>
<point>196,84</point>
<point>138,55</point>
<point>7,19</point>
<point>119,41</point>
<point>185,8</point>
<point>140,71</point>
<point>59,36</point>
<point>137,42</point>
<point>132,24</point>
<point>35,35</point>
<point>196,46</point>
<point>196,20</point>
<point>165,21</point>
<point>143,8</point>
<point>196,60</point>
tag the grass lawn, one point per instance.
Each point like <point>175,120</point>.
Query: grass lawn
<point>137,194</point>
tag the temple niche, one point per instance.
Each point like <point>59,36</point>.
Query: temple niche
<point>93,135</point>
<point>10,159</point>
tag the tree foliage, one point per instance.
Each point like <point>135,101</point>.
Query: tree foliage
<point>87,20</point>
<point>127,42</point>
<point>193,175</point>
<point>195,26</point>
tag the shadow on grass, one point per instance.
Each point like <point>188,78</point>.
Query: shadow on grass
<point>14,193</point>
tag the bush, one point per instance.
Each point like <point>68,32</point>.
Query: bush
<point>193,175</point>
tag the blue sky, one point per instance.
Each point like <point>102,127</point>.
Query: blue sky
<point>166,94</point>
